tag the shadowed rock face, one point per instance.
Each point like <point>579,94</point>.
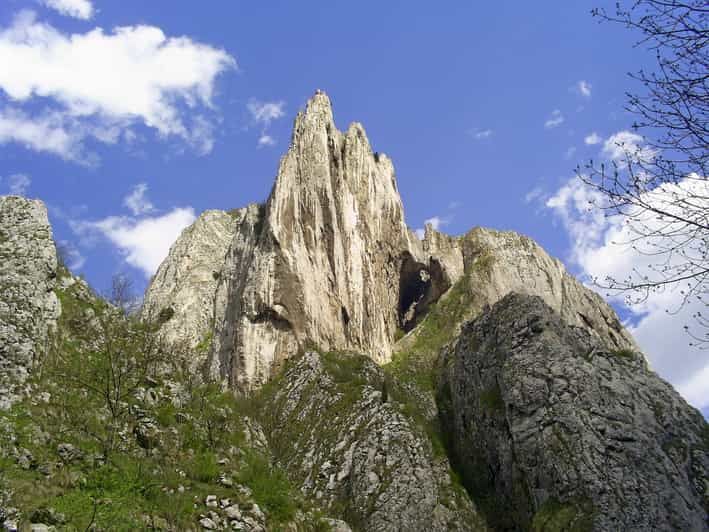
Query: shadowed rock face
<point>28,306</point>
<point>554,427</point>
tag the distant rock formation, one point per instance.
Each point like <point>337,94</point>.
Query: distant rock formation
<point>559,432</point>
<point>29,307</point>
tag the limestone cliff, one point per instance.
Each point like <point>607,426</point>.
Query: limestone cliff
<point>182,292</point>
<point>329,261</point>
<point>551,429</point>
<point>28,306</point>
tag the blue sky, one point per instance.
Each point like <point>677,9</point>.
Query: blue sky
<point>127,118</point>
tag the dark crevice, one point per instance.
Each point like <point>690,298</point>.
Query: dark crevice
<point>420,286</point>
<point>275,319</point>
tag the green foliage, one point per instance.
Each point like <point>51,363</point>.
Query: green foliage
<point>270,487</point>
<point>416,361</point>
<point>625,353</point>
<point>105,380</point>
<point>554,516</point>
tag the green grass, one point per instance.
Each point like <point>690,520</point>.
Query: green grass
<point>270,486</point>
<point>625,353</point>
<point>554,516</point>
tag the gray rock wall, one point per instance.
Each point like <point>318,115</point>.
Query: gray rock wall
<point>182,293</point>
<point>29,307</point>
<point>553,429</point>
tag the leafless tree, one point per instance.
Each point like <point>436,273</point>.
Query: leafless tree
<point>659,185</point>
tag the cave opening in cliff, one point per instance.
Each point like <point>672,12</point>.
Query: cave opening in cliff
<point>420,285</point>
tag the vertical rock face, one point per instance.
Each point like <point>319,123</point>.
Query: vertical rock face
<point>323,264</point>
<point>182,292</point>
<point>563,433</point>
<point>28,305</point>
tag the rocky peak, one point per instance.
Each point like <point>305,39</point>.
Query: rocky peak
<point>28,306</point>
<point>329,261</point>
<point>325,258</point>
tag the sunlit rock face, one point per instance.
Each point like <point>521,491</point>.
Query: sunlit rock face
<point>328,261</point>
<point>181,294</point>
<point>324,261</point>
<point>29,307</point>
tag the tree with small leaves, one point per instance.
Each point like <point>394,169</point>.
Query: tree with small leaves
<point>656,180</point>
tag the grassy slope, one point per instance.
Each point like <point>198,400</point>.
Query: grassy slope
<point>161,481</point>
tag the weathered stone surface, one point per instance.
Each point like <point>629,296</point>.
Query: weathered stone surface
<point>324,265</point>
<point>344,440</point>
<point>552,428</point>
<point>28,306</point>
<point>504,261</point>
<point>329,261</point>
<point>181,294</point>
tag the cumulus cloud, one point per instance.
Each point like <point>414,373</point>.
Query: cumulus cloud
<point>137,201</point>
<point>144,242</point>
<point>265,112</point>
<point>555,119</point>
<point>583,88</point>
<point>262,114</point>
<point>592,139</point>
<point>17,184</point>
<point>81,9</point>
<point>104,82</point>
<point>607,247</point>
<point>625,145</point>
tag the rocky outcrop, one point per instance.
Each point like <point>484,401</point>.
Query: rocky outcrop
<point>324,262</point>
<point>501,262</point>
<point>181,294</point>
<point>556,431</point>
<point>28,306</point>
<point>329,261</point>
<point>336,426</point>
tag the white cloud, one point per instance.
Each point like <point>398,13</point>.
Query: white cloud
<point>82,9</point>
<point>104,83</point>
<point>436,222</point>
<point>18,184</point>
<point>556,119</point>
<point>602,248</point>
<point>144,242</point>
<point>583,88</point>
<point>266,140</point>
<point>479,134</point>
<point>265,112</point>
<point>262,114</point>
<point>533,194</point>
<point>626,144</point>
<point>592,139</point>
<point>137,201</point>
<point>72,257</point>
